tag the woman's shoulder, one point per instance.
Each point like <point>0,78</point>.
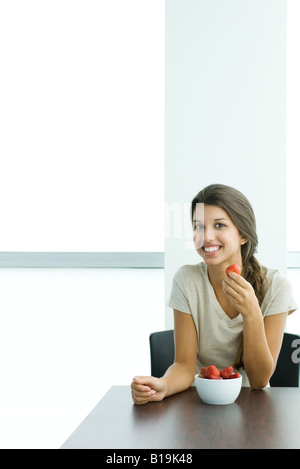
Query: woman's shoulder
<point>279,293</point>
<point>276,279</point>
<point>192,270</point>
<point>274,274</point>
<point>190,274</point>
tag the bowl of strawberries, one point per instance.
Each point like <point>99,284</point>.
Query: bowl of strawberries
<point>218,387</point>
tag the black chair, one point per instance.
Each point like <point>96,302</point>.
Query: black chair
<point>286,374</point>
<point>162,352</point>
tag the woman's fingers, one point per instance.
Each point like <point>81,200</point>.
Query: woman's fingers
<point>141,383</point>
<point>229,290</point>
<point>141,389</point>
<point>143,398</point>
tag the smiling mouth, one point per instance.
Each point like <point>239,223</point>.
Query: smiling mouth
<point>211,249</point>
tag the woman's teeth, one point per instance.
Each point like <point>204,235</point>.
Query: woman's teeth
<point>211,249</point>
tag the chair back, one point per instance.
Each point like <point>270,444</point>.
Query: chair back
<point>162,352</point>
<point>286,373</point>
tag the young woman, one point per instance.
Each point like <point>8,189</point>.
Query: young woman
<point>235,320</point>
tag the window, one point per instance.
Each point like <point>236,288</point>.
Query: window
<point>293,154</point>
<point>293,125</point>
<point>82,119</point>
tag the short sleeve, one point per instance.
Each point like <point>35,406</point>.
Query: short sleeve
<point>279,296</point>
<point>179,298</point>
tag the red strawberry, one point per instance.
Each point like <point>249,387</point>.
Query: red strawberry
<point>202,371</point>
<point>212,370</point>
<point>227,372</point>
<point>215,377</point>
<point>233,268</point>
<point>235,375</point>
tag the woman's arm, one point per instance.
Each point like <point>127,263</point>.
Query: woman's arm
<point>262,343</point>
<point>262,337</point>
<point>180,375</point>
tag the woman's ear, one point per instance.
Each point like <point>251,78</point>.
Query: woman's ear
<point>243,241</point>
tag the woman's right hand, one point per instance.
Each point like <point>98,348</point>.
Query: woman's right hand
<point>147,388</point>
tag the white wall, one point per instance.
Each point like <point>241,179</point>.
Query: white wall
<point>66,337</point>
<point>225,114</point>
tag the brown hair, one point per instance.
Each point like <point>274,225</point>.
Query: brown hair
<point>241,213</point>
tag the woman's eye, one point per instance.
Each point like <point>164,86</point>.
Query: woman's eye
<point>199,227</point>
<point>220,225</point>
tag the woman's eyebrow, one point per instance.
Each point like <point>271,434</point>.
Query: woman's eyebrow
<point>216,219</point>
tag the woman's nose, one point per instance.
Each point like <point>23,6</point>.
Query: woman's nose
<point>208,235</point>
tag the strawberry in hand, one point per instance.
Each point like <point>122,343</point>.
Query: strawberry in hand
<point>233,268</point>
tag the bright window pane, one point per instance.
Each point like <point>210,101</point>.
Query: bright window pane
<point>82,125</point>
<point>293,125</point>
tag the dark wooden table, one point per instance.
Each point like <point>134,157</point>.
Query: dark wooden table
<point>268,418</point>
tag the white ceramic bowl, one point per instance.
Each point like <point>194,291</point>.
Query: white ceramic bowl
<point>218,391</point>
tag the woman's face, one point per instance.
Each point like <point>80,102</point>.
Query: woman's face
<point>216,238</point>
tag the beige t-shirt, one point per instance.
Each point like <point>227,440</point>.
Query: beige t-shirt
<point>218,335</point>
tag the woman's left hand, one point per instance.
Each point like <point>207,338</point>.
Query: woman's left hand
<point>241,294</point>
